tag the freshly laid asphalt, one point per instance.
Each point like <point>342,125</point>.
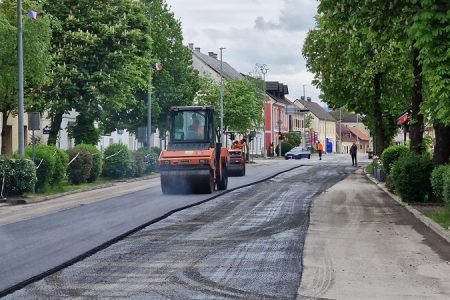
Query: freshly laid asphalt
<point>38,237</point>
<point>319,231</point>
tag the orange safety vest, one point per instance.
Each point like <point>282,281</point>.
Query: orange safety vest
<point>319,146</point>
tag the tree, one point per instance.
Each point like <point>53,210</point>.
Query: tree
<point>36,46</point>
<point>429,32</point>
<point>359,67</point>
<point>177,82</point>
<point>102,54</point>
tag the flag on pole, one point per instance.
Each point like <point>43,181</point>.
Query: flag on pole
<point>158,66</point>
<point>33,14</point>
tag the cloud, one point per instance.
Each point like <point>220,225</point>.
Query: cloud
<point>295,16</point>
<point>253,31</point>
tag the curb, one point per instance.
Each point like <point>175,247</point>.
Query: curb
<point>15,201</point>
<point>438,229</point>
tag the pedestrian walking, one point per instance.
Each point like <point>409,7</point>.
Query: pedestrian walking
<point>353,151</point>
<point>320,149</point>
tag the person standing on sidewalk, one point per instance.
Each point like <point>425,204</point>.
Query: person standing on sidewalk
<point>320,149</point>
<point>353,151</point>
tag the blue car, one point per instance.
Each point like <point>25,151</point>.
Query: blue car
<point>297,153</point>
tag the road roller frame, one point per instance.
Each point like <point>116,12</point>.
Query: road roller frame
<point>193,161</point>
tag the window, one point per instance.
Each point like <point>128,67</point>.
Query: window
<point>189,125</point>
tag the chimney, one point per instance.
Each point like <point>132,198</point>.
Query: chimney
<point>214,55</point>
<point>197,49</point>
<point>191,46</point>
<point>302,97</point>
<point>308,98</point>
<point>211,54</point>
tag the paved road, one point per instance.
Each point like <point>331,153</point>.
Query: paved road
<point>246,244</point>
<point>35,238</point>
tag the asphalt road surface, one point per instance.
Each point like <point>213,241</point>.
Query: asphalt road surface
<point>37,237</point>
<point>246,244</point>
<point>319,231</point>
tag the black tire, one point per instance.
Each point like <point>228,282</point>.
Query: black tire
<point>165,186</point>
<point>222,184</point>
<point>243,170</point>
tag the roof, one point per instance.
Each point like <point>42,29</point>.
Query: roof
<point>228,71</point>
<point>361,135</point>
<point>317,110</point>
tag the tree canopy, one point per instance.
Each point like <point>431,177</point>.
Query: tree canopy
<point>36,58</point>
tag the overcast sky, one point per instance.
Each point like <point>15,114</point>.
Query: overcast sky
<point>267,32</point>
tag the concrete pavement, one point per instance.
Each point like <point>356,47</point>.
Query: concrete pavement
<point>362,244</point>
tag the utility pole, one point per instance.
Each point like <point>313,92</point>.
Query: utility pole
<point>264,70</point>
<point>279,132</point>
<point>340,129</point>
<point>149,113</point>
<point>20,69</point>
<point>221,97</point>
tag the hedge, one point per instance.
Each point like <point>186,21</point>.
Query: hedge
<point>97,161</point>
<point>117,161</point>
<point>60,170</point>
<point>391,154</point>
<point>80,166</point>
<point>17,175</point>
<point>437,180</point>
<point>446,187</point>
<point>45,161</point>
<point>285,147</point>
<point>411,176</point>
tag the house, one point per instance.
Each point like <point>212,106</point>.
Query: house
<point>276,119</point>
<point>361,134</point>
<point>322,127</point>
<point>350,135</point>
<point>12,134</point>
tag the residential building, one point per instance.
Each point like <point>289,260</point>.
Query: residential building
<point>350,135</point>
<point>323,124</point>
<point>12,134</point>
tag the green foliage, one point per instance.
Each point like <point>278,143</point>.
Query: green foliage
<point>285,147</point>
<point>391,154</point>
<point>293,138</point>
<point>155,150</point>
<point>151,158</point>
<point>80,168</point>
<point>411,176</point>
<point>19,175</point>
<point>60,171</point>
<point>45,158</point>
<point>139,166</point>
<point>117,161</point>
<point>177,82</point>
<point>101,53</point>
<point>446,188</point>
<point>36,58</point>
<point>242,106</point>
<point>437,180</point>
<point>97,161</point>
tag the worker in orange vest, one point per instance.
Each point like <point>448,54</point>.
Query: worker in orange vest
<point>320,149</point>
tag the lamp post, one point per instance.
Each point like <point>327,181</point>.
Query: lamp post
<point>20,71</point>
<point>264,70</point>
<point>221,97</point>
<point>279,131</point>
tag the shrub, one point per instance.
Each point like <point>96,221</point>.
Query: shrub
<point>151,158</point>
<point>60,170</point>
<point>411,176</point>
<point>117,161</point>
<point>154,150</point>
<point>437,180</point>
<point>17,175</point>
<point>139,163</point>
<point>446,187</point>
<point>285,147</point>
<point>80,167</point>
<point>97,161</point>
<point>45,160</point>
<point>391,154</point>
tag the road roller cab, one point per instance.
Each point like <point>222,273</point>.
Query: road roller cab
<point>193,162</point>
<point>236,166</point>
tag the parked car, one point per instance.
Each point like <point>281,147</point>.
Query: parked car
<point>297,153</point>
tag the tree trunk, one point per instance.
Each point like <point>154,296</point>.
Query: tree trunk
<point>4,127</point>
<point>416,128</point>
<point>379,130</point>
<point>54,128</point>
<point>442,147</point>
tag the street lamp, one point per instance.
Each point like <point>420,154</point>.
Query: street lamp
<point>20,71</point>
<point>264,70</point>
<point>221,97</point>
<point>279,132</point>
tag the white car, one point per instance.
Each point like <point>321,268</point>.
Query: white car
<point>297,153</point>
